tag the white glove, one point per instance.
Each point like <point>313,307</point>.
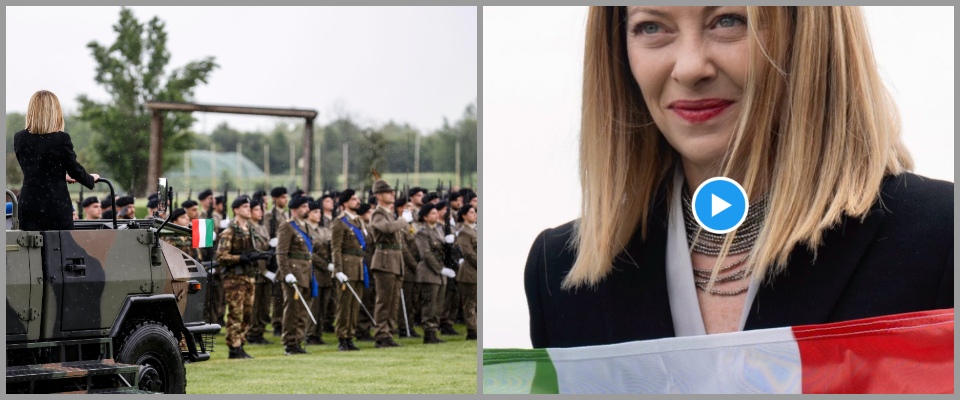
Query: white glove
<point>214,238</point>
<point>448,238</point>
<point>447,272</point>
<point>460,261</point>
<point>407,216</point>
<point>330,267</point>
<point>290,279</point>
<point>271,276</point>
<point>213,271</point>
<point>273,242</point>
<point>341,276</point>
<point>224,223</point>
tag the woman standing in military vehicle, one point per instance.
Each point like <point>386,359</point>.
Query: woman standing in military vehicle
<point>46,156</point>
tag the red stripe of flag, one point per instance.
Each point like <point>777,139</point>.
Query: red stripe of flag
<point>195,227</point>
<point>904,353</point>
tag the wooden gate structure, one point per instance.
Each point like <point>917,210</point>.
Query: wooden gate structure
<point>157,108</point>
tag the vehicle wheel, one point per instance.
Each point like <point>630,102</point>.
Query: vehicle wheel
<point>152,346</point>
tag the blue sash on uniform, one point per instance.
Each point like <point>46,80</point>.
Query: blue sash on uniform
<point>363,244</point>
<point>314,286</point>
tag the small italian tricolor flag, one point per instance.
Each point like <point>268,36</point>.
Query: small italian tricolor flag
<point>203,233</point>
<point>903,353</point>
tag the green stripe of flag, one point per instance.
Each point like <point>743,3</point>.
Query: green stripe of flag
<point>519,371</point>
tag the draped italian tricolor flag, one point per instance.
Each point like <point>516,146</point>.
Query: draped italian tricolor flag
<point>904,353</point>
<point>202,233</point>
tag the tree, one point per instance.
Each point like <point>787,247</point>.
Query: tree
<point>132,72</point>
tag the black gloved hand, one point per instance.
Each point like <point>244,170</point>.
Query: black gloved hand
<point>265,255</point>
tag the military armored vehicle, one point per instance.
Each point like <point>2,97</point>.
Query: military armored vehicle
<point>107,307</point>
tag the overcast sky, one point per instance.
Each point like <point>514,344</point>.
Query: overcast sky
<point>415,65</point>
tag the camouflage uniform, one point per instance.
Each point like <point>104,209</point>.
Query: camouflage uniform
<point>294,257</point>
<point>238,278</point>
<point>321,258</point>
<point>184,243</point>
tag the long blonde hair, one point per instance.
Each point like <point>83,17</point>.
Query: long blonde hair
<point>44,114</point>
<point>818,132</point>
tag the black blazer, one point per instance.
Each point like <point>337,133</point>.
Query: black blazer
<point>45,160</point>
<point>899,259</point>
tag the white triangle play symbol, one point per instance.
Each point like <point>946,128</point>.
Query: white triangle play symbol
<point>717,205</point>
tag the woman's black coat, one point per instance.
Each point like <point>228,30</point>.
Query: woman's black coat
<point>898,260</point>
<point>45,161</point>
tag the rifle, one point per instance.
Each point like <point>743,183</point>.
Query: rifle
<point>190,194</point>
<point>225,202</point>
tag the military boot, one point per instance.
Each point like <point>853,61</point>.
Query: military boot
<point>291,350</point>
<point>259,339</point>
<point>364,335</point>
<point>413,333</point>
<point>343,345</point>
<point>300,349</point>
<point>238,353</point>
<point>471,335</point>
<point>351,346</point>
<point>315,340</point>
<point>430,337</point>
<point>386,342</point>
<point>448,330</point>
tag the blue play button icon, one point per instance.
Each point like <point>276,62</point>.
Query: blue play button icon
<point>720,205</point>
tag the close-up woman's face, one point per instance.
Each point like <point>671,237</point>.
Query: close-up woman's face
<point>691,65</point>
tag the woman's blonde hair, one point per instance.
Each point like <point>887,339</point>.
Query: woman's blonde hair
<point>818,132</point>
<point>44,114</point>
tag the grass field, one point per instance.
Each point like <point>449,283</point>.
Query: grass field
<point>414,367</point>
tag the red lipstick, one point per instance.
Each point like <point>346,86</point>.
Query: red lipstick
<point>697,111</point>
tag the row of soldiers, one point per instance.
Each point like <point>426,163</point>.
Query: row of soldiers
<point>332,261</point>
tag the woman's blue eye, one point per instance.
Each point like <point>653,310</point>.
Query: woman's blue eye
<point>647,28</point>
<point>729,21</point>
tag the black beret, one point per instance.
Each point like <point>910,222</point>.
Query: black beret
<point>219,199</point>
<point>372,200</point>
<point>425,210</point>
<point>346,195</point>
<point>463,211</point>
<point>430,197</point>
<point>124,201</point>
<point>363,209</point>
<point>106,203</point>
<point>108,214</point>
<point>240,201</point>
<point>416,189</point>
<point>299,201</point>
<point>154,196</point>
<point>204,194</point>
<point>278,191</point>
<point>326,196</point>
<point>188,204</point>
<point>315,205</point>
<point>297,193</point>
<point>453,196</point>
<point>401,201</point>
<point>256,202</point>
<point>464,191</point>
<point>153,203</point>
<point>441,205</point>
<point>87,202</point>
<point>259,193</point>
<point>177,213</point>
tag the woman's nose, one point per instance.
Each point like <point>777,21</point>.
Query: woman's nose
<point>694,64</point>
